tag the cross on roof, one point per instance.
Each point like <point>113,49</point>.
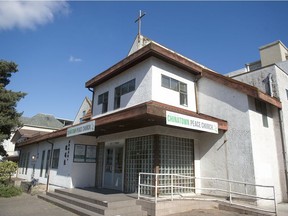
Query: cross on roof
<point>139,21</point>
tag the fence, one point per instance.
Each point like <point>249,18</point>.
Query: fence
<point>157,186</point>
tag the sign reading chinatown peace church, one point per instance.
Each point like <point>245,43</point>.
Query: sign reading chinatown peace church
<point>81,129</point>
<point>190,122</point>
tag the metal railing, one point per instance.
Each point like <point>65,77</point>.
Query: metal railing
<point>150,187</point>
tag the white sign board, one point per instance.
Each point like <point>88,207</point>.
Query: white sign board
<point>81,129</point>
<point>179,120</point>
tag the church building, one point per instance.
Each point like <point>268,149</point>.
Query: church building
<point>157,111</point>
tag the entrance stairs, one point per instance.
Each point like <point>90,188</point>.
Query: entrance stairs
<point>94,203</point>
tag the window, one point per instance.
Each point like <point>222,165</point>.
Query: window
<point>27,162</point>
<point>121,90</point>
<point>287,93</point>
<point>103,99</point>
<point>176,85</point>
<point>262,109</point>
<point>55,158</point>
<point>47,163</point>
<point>42,162</point>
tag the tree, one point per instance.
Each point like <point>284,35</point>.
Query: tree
<point>9,117</point>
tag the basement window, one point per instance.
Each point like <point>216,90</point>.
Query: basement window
<point>262,109</point>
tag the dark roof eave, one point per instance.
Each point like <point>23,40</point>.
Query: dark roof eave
<point>147,51</point>
<point>152,109</point>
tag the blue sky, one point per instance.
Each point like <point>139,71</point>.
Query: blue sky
<point>60,45</point>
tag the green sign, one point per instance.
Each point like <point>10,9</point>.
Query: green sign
<point>179,120</point>
<point>81,129</point>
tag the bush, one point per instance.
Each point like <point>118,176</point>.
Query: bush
<point>9,190</point>
<point>7,169</point>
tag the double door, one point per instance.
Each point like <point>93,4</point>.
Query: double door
<point>113,168</point>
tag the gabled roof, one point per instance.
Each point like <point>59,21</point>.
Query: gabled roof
<point>43,121</point>
<point>171,57</point>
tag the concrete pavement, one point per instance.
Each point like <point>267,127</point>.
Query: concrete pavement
<point>28,205</point>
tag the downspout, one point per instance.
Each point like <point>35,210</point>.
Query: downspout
<point>270,85</point>
<point>196,79</point>
<point>50,165</point>
<point>93,93</point>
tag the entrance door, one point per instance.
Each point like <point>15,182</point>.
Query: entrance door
<point>113,170</point>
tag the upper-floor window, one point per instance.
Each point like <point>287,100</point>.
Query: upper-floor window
<point>176,85</point>
<point>262,109</point>
<point>103,99</point>
<point>286,93</point>
<point>121,90</point>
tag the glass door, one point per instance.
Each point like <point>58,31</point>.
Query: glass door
<point>113,170</point>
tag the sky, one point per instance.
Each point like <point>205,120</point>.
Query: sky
<point>60,45</point>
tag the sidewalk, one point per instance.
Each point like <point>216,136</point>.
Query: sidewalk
<point>28,205</point>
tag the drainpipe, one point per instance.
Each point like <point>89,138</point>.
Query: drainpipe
<point>270,85</point>
<point>196,79</point>
<point>93,93</point>
<point>50,165</point>
<point>284,151</point>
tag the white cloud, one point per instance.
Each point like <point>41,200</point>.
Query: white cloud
<point>74,59</point>
<point>29,14</point>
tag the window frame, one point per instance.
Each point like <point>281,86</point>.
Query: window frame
<point>261,107</point>
<point>123,89</point>
<point>55,158</point>
<point>175,85</point>
<point>103,99</point>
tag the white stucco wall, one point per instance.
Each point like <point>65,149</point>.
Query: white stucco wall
<point>142,75</point>
<point>68,174</point>
<point>226,155</point>
<point>267,153</point>
<point>168,96</point>
<point>148,86</point>
<point>83,174</point>
<point>279,74</point>
<point>85,106</point>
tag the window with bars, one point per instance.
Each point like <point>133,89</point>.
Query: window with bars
<point>176,85</point>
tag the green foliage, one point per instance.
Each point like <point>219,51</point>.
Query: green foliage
<point>7,169</point>
<point>9,117</point>
<point>9,191</point>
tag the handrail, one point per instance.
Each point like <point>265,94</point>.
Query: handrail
<point>154,185</point>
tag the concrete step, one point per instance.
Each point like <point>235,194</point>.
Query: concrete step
<point>99,200</point>
<point>78,202</point>
<point>82,197</point>
<point>72,208</point>
<point>85,205</point>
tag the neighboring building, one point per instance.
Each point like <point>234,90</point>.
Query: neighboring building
<point>37,125</point>
<point>84,112</point>
<point>157,111</point>
<point>270,75</point>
